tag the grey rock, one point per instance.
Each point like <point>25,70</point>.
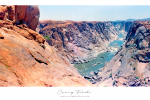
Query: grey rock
<point>141,29</point>
<point>94,77</point>
<point>87,77</point>
<point>95,73</point>
<point>131,83</point>
<point>92,73</point>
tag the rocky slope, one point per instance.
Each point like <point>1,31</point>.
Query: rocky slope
<point>21,14</point>
<point>27,60</point>
<point>122,25</point>
<point>131,64</point>
<point>78,41</point>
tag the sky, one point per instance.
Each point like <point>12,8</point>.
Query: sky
<point>93,12</point>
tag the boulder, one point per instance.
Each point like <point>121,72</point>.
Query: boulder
<point>95,73</point>
<point>20,14</point>
<point>141,29</point>
<point>87,77</point>
<point>3,13</point>
<point>28,15</point>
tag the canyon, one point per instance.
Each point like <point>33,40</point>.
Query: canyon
<point>130,65</point>
<point>49,53</point>
<point>81,41</point>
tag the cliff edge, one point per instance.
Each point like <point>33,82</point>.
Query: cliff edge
<point>26,59</point>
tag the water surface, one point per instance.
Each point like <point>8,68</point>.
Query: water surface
<point>100,60</point>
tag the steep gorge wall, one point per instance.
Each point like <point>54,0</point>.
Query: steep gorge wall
<point>79,41</point>
<point>122,25</point>
<point>130,66</point>
<point>28,15</point>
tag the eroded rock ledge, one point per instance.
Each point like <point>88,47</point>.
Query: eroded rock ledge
<point>26,59</point>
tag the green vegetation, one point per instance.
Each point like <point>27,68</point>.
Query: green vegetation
<point>133,51</point>
<point>133,68</point>
<point>125,78</point>
<point>118,71</point>
<point>145,82</point>
<point>6,66</point>
<point>47,37</point>
<point>144,79</point>
<point>117,77</point>
<point>114,82</point>
<point>136,50</point>
<point>110,75</point>
<point>132,56</point>
<point>137,77</point>
<point>131,45</point>
<point>130,64</point>
<point>121,55</point>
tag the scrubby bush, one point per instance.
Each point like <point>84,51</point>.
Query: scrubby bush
<point>133,68</point>
<point>110,75</point>
<point>114,82</point>
<point>122,55</point>
<point>117,77</point>
<point>137,77</point>
<point>47,37</point>
<point>6,66</point>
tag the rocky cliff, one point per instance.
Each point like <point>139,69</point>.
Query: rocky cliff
<point>21,14</point>
<point>26,59</point>
<point>122,25</point>
<point>78,41</point>
<point>131,64</point>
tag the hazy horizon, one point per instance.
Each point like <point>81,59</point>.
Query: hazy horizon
<point>93,13</point>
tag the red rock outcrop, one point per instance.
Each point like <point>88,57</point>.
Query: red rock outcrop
<point>22,30</point>
<point>27,60</point>
<point>3,12</point>
<point>21,14</point>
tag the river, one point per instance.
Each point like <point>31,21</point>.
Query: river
<point>98,62</point>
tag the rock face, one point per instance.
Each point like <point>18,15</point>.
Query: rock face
<point>78,41</point>
<point>19,14</point>
<point>122,25</point>
<point>27,60</point>
<point>130,65</point>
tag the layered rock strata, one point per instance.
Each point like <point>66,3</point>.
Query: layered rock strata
<point>130,65</point>
<point>78,41</point>
<point>122,25</point>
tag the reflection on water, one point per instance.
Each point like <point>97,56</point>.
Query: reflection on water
<point>100,60</point>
